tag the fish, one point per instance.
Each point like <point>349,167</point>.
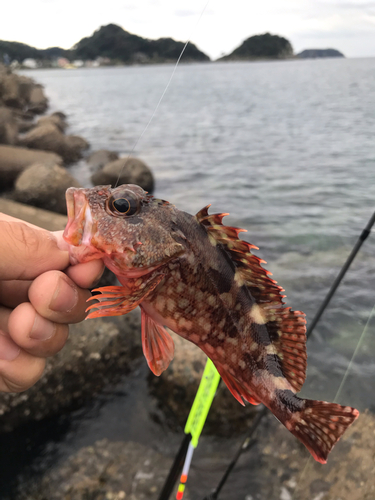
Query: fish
<point>197,277</point>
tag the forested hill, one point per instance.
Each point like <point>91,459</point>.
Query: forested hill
<point>264,46</point>
<point>110,42</point>
<point>117,44</point>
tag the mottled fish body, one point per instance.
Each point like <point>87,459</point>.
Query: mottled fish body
<point>195,276</point>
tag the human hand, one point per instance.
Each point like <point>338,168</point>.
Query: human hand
<point>37,299</point>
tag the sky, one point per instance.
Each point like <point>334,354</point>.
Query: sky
<point>216,27</point>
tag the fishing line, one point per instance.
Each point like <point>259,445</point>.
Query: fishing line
<point>359,343</point>
<point>164,91</point>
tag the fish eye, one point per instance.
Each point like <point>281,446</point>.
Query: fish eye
<point>122,206</point>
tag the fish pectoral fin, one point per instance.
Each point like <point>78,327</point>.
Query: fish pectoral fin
<point>158,346</point>
<point>237,390</point>
<point>118,300</point>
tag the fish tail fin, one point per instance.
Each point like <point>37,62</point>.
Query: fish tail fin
<point>320,425</point>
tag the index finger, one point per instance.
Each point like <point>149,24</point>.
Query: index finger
<point>27,251</point>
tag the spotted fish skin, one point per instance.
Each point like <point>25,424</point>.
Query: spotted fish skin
<point>195,276</point>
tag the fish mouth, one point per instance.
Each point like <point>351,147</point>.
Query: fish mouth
<point>79,229</point>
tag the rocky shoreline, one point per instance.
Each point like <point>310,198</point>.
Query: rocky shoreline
<point>36,152</point>
<point>35,155</point>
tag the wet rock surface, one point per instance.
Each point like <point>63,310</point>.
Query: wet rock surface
<point>106,471</point>
<point>125,171</point>
<point>97,353</point>
<point>44,186</point>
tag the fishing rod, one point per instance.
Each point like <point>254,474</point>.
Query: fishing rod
<point>247,442</point>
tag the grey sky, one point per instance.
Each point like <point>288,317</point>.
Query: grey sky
<point>348,26</point>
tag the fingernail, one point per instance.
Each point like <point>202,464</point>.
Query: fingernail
<point>65,297</point>
<point>8,349</point>
<point>42,329</point>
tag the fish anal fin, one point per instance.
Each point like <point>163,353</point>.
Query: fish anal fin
<point>158,346</point>
<point>320,425</point>
<point>237,390</point>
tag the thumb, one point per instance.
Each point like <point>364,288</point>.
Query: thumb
<point>27,251</point>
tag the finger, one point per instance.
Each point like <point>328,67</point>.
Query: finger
<point>14,292</point>
<point>27,252</point>
<point>87,274</point>
<point>19,374</point>
<point>57,298</point>
<point>34,334</point>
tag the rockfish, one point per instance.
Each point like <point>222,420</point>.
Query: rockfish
<point>195,276</point>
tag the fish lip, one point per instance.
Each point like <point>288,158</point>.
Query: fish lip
<point>79,227</point>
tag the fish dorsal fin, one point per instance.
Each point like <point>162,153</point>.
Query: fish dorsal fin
<point>286,328</point>
<point>158,346</point>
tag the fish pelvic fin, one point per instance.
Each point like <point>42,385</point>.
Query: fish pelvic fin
<point>320,425</point>
<point>157,344</point>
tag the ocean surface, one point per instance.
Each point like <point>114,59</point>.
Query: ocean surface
<point>288,149</point>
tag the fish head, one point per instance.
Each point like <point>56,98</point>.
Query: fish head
<point>125,227</point>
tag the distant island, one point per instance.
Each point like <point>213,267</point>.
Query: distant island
<point>316,53</point>
<point>264,46</point>
<point>109,45</point>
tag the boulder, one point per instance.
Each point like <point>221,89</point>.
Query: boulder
<point>10,91</point>
<point>58,119</point>
<point>8,127</point>
<point>48,137</point>
<point>105,471</point>
<point>99,159</point>
<point>42,218</point>
<point>177,386</point>
<point>13,160</point>
<point>44,186</point>
<point>125,171</point>
<point>37,102</point>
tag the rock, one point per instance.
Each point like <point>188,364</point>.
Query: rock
<point>38,102</point>
<point>105,471</point>
<point>98,352</point>
<point>131,171</point>
<point>10,91</point>
<point>177,386</point>
<point>42,218</point>
<point>16,90</point>
<point>13,160</point>
<point>8,127</point>
<point>98,159</point>
<point>58,119</point>
<point>48,137</point>
<point>44,186</point>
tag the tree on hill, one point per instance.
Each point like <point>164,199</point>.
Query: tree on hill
<point>117,44</point>
<point>264,46</point>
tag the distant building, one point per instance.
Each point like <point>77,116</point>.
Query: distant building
<point>62,62</point>
<point>30,63</point>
